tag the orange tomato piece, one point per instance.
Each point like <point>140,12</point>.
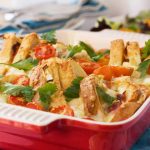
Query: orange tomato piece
<point>34,105</point>
<point>104,61</point>
<point>105,71</point>
<point>15,100</point>
<point>88,66</point>
<point>121,71</point>
<point>64,110</point>
<point>22,80</point>
<point>113,71</point>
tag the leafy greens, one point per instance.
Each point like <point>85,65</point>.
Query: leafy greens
<point>104,96</point>
<point>88,49</point>
<point>146,50</point>
<point>73,50</point>
<point>73,91</point>
<point>99,56</point>
<point>17,90</point>
<point>26,64</point>
<point>143,67</point>
<point>47,90</point>
<point>49,37</point>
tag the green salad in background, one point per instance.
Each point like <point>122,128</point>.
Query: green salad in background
<point>140,23</point>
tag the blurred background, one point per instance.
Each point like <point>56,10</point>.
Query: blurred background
<point>24,16</point>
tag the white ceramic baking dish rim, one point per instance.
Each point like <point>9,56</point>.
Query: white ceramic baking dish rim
<point>41,118</point>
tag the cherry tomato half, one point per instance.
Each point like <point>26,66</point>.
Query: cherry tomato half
<point>44,51</point>
<point>34,105</point>
<point>22,80</point>
<point>64,110</point>
<point>16,100</point>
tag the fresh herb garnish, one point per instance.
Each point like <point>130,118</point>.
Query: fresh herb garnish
<point>133,27</point>
<point>104,96</point>
<point>45,92</point>
<point>78,48</point>
<point>143,67</point>
<point>146,50</point>
<point>1,76</point>
<point>49,37</point>
<point>73,50</point>
<point>88,49</point>
<point>99,56</point>
<point>16,90</point>
<point>73,91</point>
<point>26,64</point>
<point>143,15</point>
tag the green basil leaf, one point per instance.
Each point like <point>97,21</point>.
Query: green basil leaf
<point>104,96</point>
<point>45,92</point>
<point>49,37</point>
<point>73,91</point>
<point>16,90</point>
<point>26,64</point>
<point>88,49</point>
<point>146,50</point>
<point>143,67</point>
<point>99,56</point>
<point>72,50</point>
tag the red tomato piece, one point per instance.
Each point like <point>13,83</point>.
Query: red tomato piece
<point>22,80</point>
<point>88,66</point>
<point>16,100</point>
<point>88,118</point>
<point>44,51</point>
<point>34,105</point>
<point>65,110</point>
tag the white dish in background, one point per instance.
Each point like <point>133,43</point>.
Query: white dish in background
<point>97,40</point>
<point>100,39</point>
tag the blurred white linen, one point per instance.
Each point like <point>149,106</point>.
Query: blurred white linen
<point>122,7</point>
<point>49,14</point>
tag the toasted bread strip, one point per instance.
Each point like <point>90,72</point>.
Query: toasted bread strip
<point>136,95</point>
<point>125,111</point>
<point>133,53</point>
<point>7,53</point>
<point>116,52</point>
<point>89,95</point>
<point>68,71</point>
<point>28,42</point>
<point>53,68</point>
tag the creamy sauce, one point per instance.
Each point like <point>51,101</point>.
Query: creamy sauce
<point>78,107</point>
<point>3,98</point>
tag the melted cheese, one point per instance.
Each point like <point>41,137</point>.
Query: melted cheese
<point>3,98</point>
<point>78,107</point>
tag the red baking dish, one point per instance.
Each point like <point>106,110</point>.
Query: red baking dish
<point>22,128</point>
<point>59,132</point>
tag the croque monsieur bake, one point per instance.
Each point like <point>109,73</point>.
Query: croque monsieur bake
<point>42,73</point>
